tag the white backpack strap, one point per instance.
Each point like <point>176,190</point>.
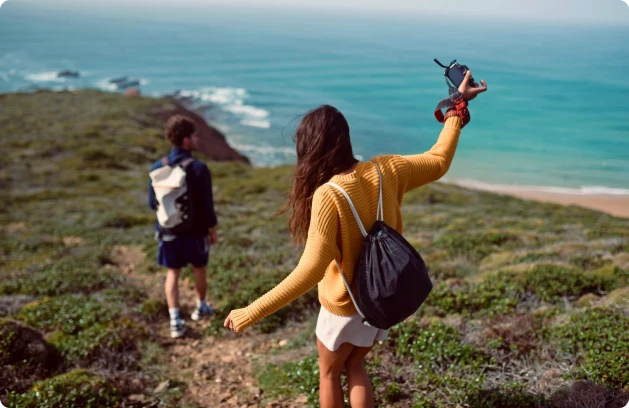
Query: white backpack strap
<point>351,205</point>
<point>349,290</point>
<point>364,232</point>
<point>186,162</point>
<point>380,210</point>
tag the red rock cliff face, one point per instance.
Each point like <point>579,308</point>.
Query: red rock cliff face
<point>210,141</point>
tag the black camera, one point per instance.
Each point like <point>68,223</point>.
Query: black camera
<point>456,73</point>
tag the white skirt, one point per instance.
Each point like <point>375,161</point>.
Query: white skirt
<point>333,330</point>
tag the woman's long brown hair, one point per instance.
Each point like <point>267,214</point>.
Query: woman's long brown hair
<point>323,150</point>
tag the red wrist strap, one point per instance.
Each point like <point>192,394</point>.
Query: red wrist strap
<point>459,109</point>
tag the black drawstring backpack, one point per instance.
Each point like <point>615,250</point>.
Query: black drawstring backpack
<point>391,278</point>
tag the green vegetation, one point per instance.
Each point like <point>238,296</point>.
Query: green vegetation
<point>24,356</point>
<point>599,339</point>
<point>529,308</point>
<point>98,341</point>
<point>65,275</point>
<point>69,314</point>
<point>74,389</point>
<point>74,179</point>
<point>292,379</point>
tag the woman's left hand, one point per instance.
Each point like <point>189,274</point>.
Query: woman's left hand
<point>229,324</point>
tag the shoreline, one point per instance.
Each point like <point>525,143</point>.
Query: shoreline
<point>614,202</point>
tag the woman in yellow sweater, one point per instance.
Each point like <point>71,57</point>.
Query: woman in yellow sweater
<point>322,218</point>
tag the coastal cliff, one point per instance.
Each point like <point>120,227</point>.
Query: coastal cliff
<point>211,142</point>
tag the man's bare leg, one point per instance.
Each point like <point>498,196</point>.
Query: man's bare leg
<point>177,329</point>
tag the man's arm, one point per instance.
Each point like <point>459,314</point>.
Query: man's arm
<point>152,202</point>
<point>207,198</point>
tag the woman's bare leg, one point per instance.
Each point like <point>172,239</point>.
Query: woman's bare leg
<point>359,383</point>
<point>331,364</point>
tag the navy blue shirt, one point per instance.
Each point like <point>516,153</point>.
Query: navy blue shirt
<point>199,182</point>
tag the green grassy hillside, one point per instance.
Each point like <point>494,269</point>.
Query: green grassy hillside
<point>530,306</point>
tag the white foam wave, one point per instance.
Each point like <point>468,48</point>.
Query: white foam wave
<point>217,95</point>
<point>105,85</point>
<point>232,100</point>
<point>246,110</point>
<point>4,77</point>
<point>582,191</point>
<point>50,76</point>
<point>263,124</point>
<point>263,150</point>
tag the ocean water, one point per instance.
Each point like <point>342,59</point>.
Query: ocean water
<point>556,114</point>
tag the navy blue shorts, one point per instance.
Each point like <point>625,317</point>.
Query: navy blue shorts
<point>182,251</point>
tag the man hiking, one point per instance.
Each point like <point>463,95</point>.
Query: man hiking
<point>180,192</point>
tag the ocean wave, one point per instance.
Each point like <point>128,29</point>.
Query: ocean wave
<point>263,124</point>
<point>582,191</point>
<point>50,76</point>
<point>217,95</point>
<point>232,100</point>
<point>263,150</point>
<point>105,85</point>
<point>246,110</point>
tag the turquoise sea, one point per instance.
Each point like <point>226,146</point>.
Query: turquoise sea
<point>556,115</point>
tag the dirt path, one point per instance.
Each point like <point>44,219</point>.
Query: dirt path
<point>217,371</point>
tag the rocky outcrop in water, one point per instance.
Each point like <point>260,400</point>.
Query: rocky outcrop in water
<point>68,74</point>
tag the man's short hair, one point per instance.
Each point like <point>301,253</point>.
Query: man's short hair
<point>178,128</point>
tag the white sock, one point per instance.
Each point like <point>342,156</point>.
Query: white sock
<point>174,314</point>
<point>201,304</point>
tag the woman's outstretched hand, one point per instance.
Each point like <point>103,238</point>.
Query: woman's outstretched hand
<point>229,324</point>
<point>469,92</point>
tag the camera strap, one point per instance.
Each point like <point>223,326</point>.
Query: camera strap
<point>449,102</point>
<point>456,102</point>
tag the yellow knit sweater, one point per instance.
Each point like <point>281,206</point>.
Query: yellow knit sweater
<point>334,233</point>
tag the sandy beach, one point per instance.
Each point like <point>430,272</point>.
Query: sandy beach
<point>614,204</point>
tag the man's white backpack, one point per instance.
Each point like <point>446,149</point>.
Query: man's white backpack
<point>174,204</point>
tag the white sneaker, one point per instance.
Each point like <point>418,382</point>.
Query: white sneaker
<point>177,329</point>
<point>202,312</point>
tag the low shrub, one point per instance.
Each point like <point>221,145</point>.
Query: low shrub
<point>392,392</point>
<point>502,292</point>
<point>292,379</point>
<point>24,356</point>
<point>69,313</point>
<point>586,394</point>
<point>74,389</point>
<point>68,275</point>
<point>509,395</point>
<point>475,245</point>
<point>599,339</point>
<point>435,346</point>
<point>496,294</point>
<point>103,340</point>
<point>447,387</point>
<point>552,282</point>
